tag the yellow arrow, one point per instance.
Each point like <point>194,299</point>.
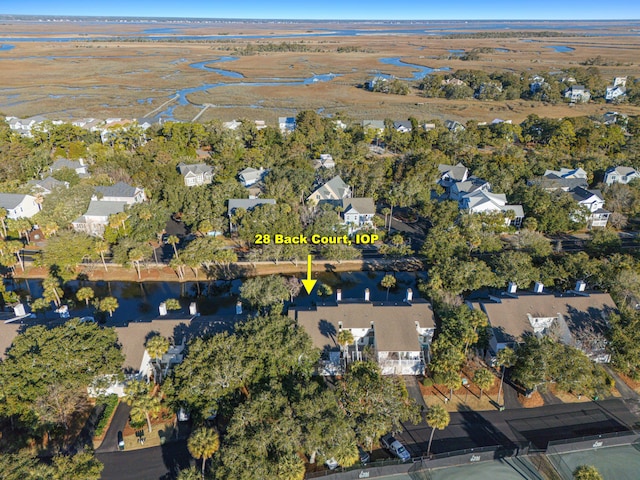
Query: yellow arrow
<point>308,282</point>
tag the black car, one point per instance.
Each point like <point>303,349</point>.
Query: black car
<point>120,440</point>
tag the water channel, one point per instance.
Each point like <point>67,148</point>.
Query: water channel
<point>140,300</point>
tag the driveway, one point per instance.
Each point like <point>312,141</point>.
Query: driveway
<point>118,422</point>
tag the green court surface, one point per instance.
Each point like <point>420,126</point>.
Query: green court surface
<point>615,463</point>
<point>496,470</point>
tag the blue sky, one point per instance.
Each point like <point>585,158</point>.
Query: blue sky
<point>333,9</point>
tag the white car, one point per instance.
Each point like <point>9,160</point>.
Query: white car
<point>395,447</point>
<point>331,464</point>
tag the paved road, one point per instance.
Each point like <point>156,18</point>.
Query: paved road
<point>156,463</point>
<point>470,429</point>
<point>119,421</point>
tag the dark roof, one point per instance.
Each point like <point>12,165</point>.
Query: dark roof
<point>120,189</point>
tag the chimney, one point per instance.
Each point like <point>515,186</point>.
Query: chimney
<point>538,287</point>
<point>162,309</point>
<point>338,295</point>
<point>366,295</point>
<point>409,297</point>
<point>193,308</point>
<point>580,286</point>
<point>239,308</point>
<point>512,288</point>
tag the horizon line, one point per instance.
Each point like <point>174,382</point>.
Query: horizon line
<point>599,20</point>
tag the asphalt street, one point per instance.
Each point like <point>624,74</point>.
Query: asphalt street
<point>156,463</point>
<point>118,422</point>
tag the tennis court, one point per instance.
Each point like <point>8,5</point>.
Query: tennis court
<point>617,463</point>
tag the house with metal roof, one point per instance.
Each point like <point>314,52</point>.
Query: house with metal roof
<point>396,334</point>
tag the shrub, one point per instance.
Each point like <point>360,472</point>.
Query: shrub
<point>427,382</point>
<point>110,403</point>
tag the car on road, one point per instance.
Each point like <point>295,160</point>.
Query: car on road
<point>395,447</point>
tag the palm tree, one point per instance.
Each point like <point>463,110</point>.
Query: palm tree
<point>506,358</point>
<point>145,406</point>
<point>157,346</point>
<point>86,294</point>
<point>109,304</point>
<point>345,338</point>
<point>15,247</point>
<point>203,443</point>
<point>137,255</point>
<point>52,291</point>
<point>3,217</point>
<point>173,240</point>
<point>101,247</point>
<point>483,378</point>
<point>437,417</point>
<point>452,381</point>
<point>388,282</point>
<point>346,453</point>
<point>178,265</point>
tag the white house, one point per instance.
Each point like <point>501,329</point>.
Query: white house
<point>575,317</point>
<point>96,218</point>
<point>481,201</point>
<point>287,124</point>
<point>399,333</point>
<point>196,174</point>
<point>334,189</point>
<point>577,94</point>
<point>232,125</point>
<point>376,126</point>
<point>454,126</point>
<point>120,192</point>
<point>250,176</point>
<point>18,205</point>
<point>614,91</point>
<point>470,185</point>
<point>325,161</point>
<point>358,213</point>
<point>620,175</point>
<point>594,202</point>
<point>402,126</point>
